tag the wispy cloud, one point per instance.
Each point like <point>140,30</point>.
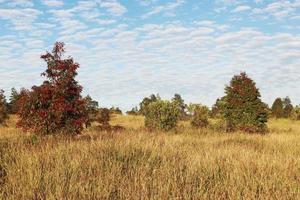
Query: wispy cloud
<point>53,3</point>
<point>166,9</point>
<point>113,7</point>
<point>128,50</point>
<point>241,9</point>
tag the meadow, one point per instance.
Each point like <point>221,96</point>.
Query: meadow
<point>186,163</point>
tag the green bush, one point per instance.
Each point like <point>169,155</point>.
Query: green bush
<point>296,113</point>
<point>200,116</point>
<point>161,115</point>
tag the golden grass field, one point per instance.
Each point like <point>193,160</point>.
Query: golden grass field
<point>136,164</point>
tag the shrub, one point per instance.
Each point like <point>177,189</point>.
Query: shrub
<point>216,110</point>
<point>91,110</point>
<point>161,115</point>
<point>243,108</point>
<point>56,106</point>
<point>133,111</point>
<point>146,101</point>
<point>200,116</point>
<point>103,116</point>
<point>296,113</point>
<point>3,108</point>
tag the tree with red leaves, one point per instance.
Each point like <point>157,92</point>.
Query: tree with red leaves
<point>57,105</point>
<point>243,108</point>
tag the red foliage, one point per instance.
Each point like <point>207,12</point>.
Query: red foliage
<point>56,105</point>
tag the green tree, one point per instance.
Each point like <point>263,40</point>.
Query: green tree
<point>200,116</point>
<point>161,115</point>
<point>115,110</point>
<point>91,110</point>
<point>287,107</point>
<point>3,108</point>
<point>277,108</point>
<point>133,111</point>
<point>179,102</point>
<point>13,105</point>
<point>295,115</point>
<point>146,101</point>
<point>216,110</point>
<point>243,108</point>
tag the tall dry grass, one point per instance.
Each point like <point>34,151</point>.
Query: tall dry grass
<point>135,164</point>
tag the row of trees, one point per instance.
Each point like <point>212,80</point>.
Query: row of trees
<point>241,109</point>
<point>57,106</point>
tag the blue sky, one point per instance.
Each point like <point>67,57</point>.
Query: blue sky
<point>130,49</point>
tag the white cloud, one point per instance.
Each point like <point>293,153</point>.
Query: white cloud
<point>113,7</point>
<point>167,8</point>
<point>22,3</point>
<point>280,9</point>
<point>22,19</point>
<point>241,9</point>
<point>62,13</point>
<point>53,3</point>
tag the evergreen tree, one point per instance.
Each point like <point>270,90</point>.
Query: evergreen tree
<point>287,107</point>
<point>179,102</point>
<point>91,110</point>
<point>243,108</point>
<point>216,110</point>
<point>13,101</point>
<point>277,108</point>
<point>3,108</point>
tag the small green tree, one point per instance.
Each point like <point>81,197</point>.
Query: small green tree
<point>287,107</point>
<point>200,116</point>
<point>146,101</point>
<point>161,115</point>
<point>91,110</point>
<point>277,108</point>
<point>133,111</point>
<point>216,110</point>
<point>13,101</point>
<point>243,108</point>
<point>295,115</point>
<point>115,110</point>
<point>179,102</point>
<point>3,108</point>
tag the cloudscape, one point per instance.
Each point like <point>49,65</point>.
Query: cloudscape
<point>128,49</point>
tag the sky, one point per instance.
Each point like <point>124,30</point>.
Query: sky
<point>129,49</point>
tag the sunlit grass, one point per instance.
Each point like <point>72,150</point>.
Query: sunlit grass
<point>136,164</point>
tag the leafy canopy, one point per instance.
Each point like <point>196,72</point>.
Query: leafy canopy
<point>56,106</point>
<point>242,106</point>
